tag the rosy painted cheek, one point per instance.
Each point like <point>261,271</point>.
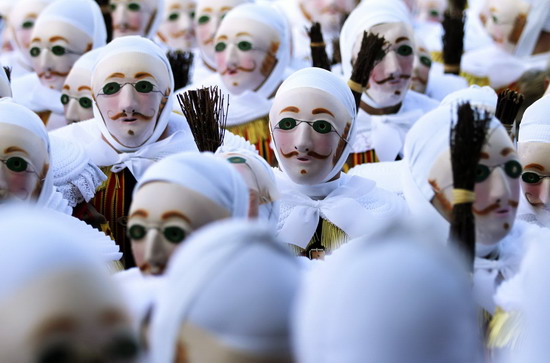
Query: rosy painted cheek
<point>21,184</point>
<point>405,64</point>
<point>108,105</point>
<point>324,144</point>
<point>136,19</point>
<point>482,191</point>
<point>533,192</point>
<point>138,250</point>
<point>220,58</point>
<point>204,32</point>
<point>284,141</point>
<point>24,37</point>
<point>247,60</point>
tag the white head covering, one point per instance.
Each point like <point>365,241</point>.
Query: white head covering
<point>84,15</point>
<point>392,298</point>
<point>234,280</point>
<point>331,84</point>
<point>537,21</point>
<point>5,84</point>
<point>365,16</point>
<point>18,115</point>
<point>87,62</point>
<point>37,241</point>
<point>535,124</point>
<point>133,44</point>
<point>205,174</point>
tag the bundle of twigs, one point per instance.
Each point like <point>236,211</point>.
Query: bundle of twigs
<point>457,6</point>
<point>181,63</point>
<point>319,57</point>
<point>466,141</point>
<point>372,51</point>
<point>508,105</point>
<point>206,114</point>
<point>453,41</point>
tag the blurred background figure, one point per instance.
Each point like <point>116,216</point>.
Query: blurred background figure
<point>135,17</point>
<point>177,29</point>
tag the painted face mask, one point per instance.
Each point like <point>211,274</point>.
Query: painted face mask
<point>311,127</point>
<point>132,17</point>
<point>431,10</point>
<point>21,23</point>
<point>390,79</point>
<point>207,20</point>
<point>177,29</point>
<point>504,21</point>
<point>76,95</point>
<point>421,70</point>
<point>130,96</point>
<point>330,13</point>
<point>245,53</point>
<point>535,180</point>
<point>497,187</point>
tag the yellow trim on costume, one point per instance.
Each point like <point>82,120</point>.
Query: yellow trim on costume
<point>115,266</point>
<point>472,79</point>
<point>504,329</point>
<point>437,57</point>
<point>254,131</point>
<point>355,87</point>
<point>463,196</point>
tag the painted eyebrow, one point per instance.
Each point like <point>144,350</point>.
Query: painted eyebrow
<point>37,39</point>
<point>535,166</point>
<point>222,37</point>
<point>243,33</point>
<point>177,214</point>
<point>207,10</point>
<point>401,39</point>
<point>58,37</point>
<point>13,149</point>
<point>117,75</point>
<point>290,109</point>
<point>506,151</point>
<point>226,8</point>
<point>175,6</point>
<point>60,324</point>
<point>81,88</point>
<point>141,75</point>
<point>483,155</point>
<point>67,87</point>
<point>317,111</point>
<point>139,213</point>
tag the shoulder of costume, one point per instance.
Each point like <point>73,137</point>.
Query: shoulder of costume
<point>414,100</point>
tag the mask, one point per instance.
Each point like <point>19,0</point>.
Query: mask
<point>310,130</point>
<point>330,13</point>
<point>130,95</point>
<point>390,79</point>
<point>504,21</point>
<point>21,20</point>
<point>162,215</point>
<point>67,315</point>
<point>207,20</point>
<point>132,17</point>
<point>497,187</point>
<point>76,95</point>
<point>177,29</point>
<point>535,182</point>
<point>55,47</point>
<point>431,10</point>
<point>245,53</point>
<point>24,163</point>
<point>421,70</point>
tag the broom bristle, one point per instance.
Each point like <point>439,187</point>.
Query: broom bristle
<point>319,56</point>
<point>466,140</point>
<point>508,105</point>
<point>8,73</point>
<point>181,63</point>
<point>206,114</point>
<point>371,52</point>
<point>453,41</point>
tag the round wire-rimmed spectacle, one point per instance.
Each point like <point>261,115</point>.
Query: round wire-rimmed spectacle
<point>530,177</point>
<point>512,168</point>
<point>173,234</point>
<point>84,102</point>
<point>17,164</point>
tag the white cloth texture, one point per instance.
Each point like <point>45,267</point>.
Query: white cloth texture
<point>87,62</point>
<point>205,174</point>
<point>15,114</point>
<point>392,298</point>
<point>386,133</point>
<point>325,81</point>
<point>366,15</point>
<point>351,203</point>
<point>37,241</point>
<point>236,281</point>
<point>441,84</point>
<point>535,124</point>
<point>74,174</point>
<point>537,21</point>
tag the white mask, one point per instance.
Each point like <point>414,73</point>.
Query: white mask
<point>536,174</point>
<point>132,17</point>
<point>130,96</point>
<point>329,13</point>
<point>177,29</point>
<point>421,70</point>
<point>497,187</point>
<point>501,20</point>
<point>431,10</point>
<point>246,53</point>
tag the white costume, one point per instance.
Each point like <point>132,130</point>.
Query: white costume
<point>28,90</point>
<point>228,295</point>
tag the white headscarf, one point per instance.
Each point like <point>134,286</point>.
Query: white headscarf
<point>537,20</point>
<point>331,84</point>
<point>133,44</point>
<point>87,62</point>
<point>18,115</point>
<point>535,124</point>
<point>37,241</point>
<point>84,15</point>
<point>366,15</point>
<point>234,280</point>
<point>205,174</point>
<point>5,84</point>
<point>392,298</point>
